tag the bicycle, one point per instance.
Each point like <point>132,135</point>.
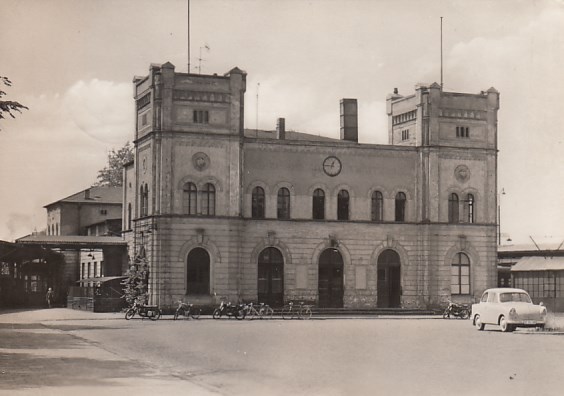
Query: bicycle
<point>251,312</point>
<point>265,311</point>
<point>187,310</point>
<point>301,312</point>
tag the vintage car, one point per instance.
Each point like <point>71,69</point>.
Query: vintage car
<point>509,309</point>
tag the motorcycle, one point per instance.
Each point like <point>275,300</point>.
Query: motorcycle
<point>144,311</point>
<point>456,310</point>
<point>238,311</point>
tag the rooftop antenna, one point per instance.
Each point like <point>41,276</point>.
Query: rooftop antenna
<point>188,18</point>
<point>538,248</point>
<point>200,59</point>
<point>257,115</point>
<point>441,53</point>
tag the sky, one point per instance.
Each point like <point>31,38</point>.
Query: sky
<point>72,63</point>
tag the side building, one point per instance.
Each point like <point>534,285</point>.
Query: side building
<point>277,216</point>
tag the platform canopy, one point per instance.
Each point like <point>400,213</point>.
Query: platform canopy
<point>539,264</point>
<point>73,241</point>
<point>17,252</point>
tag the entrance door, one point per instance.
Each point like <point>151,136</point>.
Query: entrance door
<point>331,279</point>
<point>389,280</point>
<point>271,277</point>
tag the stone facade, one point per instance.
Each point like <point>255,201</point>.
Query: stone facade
<point>390,230</point>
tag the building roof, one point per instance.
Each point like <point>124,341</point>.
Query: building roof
<point>99,194</point>
<point>537,263</point>
<point>10,252</point>
<point>72,240</point>
<point>290,135</point>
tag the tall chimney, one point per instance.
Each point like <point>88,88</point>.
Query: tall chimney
<point>281,129</point>
<point>349,120</point>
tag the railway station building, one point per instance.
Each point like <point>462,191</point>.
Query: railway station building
<point>277,216</point>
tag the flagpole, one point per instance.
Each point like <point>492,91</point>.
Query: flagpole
<point>188,19</point>
<point>441,52</point>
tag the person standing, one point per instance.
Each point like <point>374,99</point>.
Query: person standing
<point>49,297</point>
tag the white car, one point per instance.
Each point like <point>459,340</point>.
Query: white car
<point>509,309</point>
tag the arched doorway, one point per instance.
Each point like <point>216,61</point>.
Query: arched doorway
<point>198,272</point>
<point>389,280</point>
<point>331,279</point>
<point>270,284</point>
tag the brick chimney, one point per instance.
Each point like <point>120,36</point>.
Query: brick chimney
<point>281,129</point>
<point>349,120</point>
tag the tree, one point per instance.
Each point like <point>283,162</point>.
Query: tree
<point>9,106</point>
<point>135,286</point>
<point>112,174</point>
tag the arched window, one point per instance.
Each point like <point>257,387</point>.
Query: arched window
<point>453,208</point>
<point>189,198</point>
<point>198,272</point>
<point>129,216</point>
<point>377,206</point>
<point>208,200</point>
<point>144,200</point>
<point>258,203</point>
<point>318,204</point>
<point>400,206</point>
<point>343,205</point>
<point>283,206</point>
<point>469,208</point>
<point>460,274</point>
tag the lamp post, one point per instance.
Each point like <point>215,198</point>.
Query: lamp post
<point>502,192</point>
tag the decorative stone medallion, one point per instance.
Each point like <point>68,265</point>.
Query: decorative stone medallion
<point>462,173</point>
<point>201,161</point>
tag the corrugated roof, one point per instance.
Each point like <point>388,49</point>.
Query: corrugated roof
<point>103,194</point>
<point>537,263</point>
<point>530,247</point>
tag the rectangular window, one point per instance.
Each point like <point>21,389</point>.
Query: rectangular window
<point>462,132</point>
<point>405,134</point>
<point>201,117</point>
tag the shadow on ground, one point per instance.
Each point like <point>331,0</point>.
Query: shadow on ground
<point>23,370</point>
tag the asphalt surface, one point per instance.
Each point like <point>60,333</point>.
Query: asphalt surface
<point>66,352</point>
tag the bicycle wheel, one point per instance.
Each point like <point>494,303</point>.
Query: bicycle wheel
<point>268,313</point>
<point>216,313</point>
<point>306,313</point>
<point>129,313</point>
<point>156,315</point>
<point>177,313</point>
<point>195,313</point>
<point>287,313</point>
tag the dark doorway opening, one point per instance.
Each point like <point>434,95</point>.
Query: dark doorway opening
<point>331,289</point>
<point>389,280</point>
<point>198,272</point>
<point>271,277</point>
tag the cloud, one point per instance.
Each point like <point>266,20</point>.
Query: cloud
<point>57,147</point>
<point>526,68</point>
<point>101,109</point>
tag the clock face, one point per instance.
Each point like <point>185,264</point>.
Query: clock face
<point>332,166</point>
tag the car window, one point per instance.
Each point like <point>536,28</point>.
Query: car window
<point>514,297</point>
<point>492,298</point>
<point>484,297</point>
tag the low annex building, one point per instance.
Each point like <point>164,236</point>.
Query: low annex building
<point>274,216</point>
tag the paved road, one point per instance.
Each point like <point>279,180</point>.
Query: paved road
<point>64,352</point>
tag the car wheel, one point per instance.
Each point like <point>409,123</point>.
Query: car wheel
<point>505,327</point>
<point>478,323</point>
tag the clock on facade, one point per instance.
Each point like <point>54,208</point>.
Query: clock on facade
<point>332,166</point>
